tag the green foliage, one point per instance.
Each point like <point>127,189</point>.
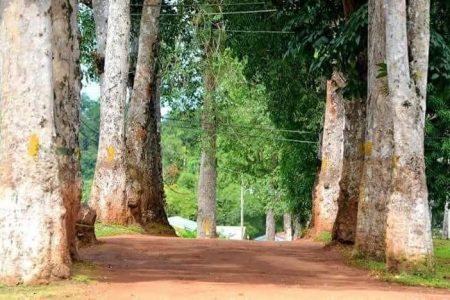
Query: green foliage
<point>89,135</point>
<point>88,43</point>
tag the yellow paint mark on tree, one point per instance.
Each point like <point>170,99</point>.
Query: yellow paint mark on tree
<point>111,153</point>
<point>324,163</point>
<point>367,148</point>
<point>207,227</point>
<point>33,145</point>
<point>394,161</point>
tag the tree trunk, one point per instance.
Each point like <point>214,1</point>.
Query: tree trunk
<point>446,223</point>
<point>39,167</point>
<point>344,229</point>
<point>101,11</point>
<point>270,226</point>
<point>326,190</point>
<point>378,147</point>
<point>287,222</point>
<point>206,215</point>
<point>66,82</point>
<point>408,231</point>
<point>145,189</point>
<point>297,228</point>
<point>108,195</point>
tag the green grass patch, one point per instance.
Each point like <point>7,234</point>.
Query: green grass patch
<point>439,279</point>
<point>57,290</point>
<point>186,234</point>
<point>323,237</point>
<point>104,230</point>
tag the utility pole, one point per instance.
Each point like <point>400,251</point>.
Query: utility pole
<point>242,208</point>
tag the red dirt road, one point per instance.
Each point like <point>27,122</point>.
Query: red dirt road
<point>143,267</point>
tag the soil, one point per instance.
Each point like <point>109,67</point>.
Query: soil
<point>145,267</point>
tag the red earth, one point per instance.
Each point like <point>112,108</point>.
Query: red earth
<point>145,267</point>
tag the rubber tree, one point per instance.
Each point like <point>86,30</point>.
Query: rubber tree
<point>408,225</point>
<point>326,189</point>
<point>108,195</point>
<point>145,188</point>
<point>39,155</point>
<point>378,147</point>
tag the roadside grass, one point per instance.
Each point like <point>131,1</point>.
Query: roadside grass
<point>438,279</point>
<point>186,234</point>
<point>104,230</point>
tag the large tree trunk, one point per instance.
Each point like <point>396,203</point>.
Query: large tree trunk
<point>287,223</point>
<point>39,167</point>
<point>326,190</point>
<point>344,229</point>
<point>270,225</point>
<point>145,193</point>
<point>408,231</point>
<point>206,215</point>
<point>66,85</point>
<point>101,11</point>
<point>378,147</point>
<point>446,223</point>
<point>108,195</point>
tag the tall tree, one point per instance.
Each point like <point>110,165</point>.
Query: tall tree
<point>210,37</point>
<point>326,190</point>
<point>270,225</point>
<point>145,191</point>
<point>446,223</point>
<point>108,195</point>
<point>39,177</point>
<point>408,228</point>
<point>344,228</point>
<point>67,85</point>
<point>378,146</point>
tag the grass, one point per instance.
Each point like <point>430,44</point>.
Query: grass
<point>323,237</point>
<point>103,230</point>
<point>438,279</point>
<point>186,234</point>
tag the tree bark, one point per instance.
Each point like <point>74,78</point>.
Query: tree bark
<point>206,214</point>
<point>408,229</point>
<point>101,12</point>
<point>446,223</point>
<point>270,226</point>
<point>326,190</point>
<point>145,193</point>
<point>39,155</point>
<point>378,147</point>
<point>67,85</point>
<point>287,222</point>
<point>108,195</point>
<point>297,228</point>
<point>344,229</point>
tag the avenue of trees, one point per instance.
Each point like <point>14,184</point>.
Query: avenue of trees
<point>330,115</point>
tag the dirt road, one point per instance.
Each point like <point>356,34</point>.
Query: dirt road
<point>143,267</point>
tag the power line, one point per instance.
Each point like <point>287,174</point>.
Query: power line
<point>243,12</point>
<point>197,5</point>
<point>247,127</point>
<point>260,31</point>
<point>251,136</point>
